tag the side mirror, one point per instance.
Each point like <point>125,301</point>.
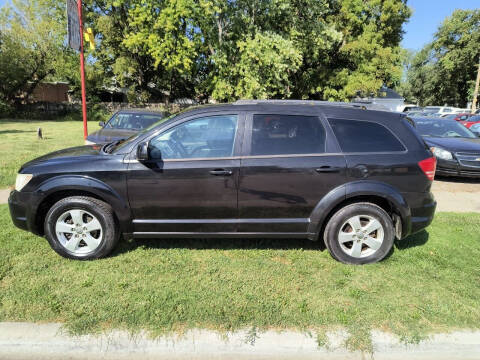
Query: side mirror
<point>142,151</point>
<point>101,123</point>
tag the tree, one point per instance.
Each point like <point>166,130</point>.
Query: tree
<point>321,49</point>
<point>168,49</point>
<point>31,46</point>
<point>444,71</point>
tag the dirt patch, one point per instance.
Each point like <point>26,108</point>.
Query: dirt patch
<point>454,185</point>
<point>457,195</point>
<point>4,194</point>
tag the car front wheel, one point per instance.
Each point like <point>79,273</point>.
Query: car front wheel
<point>81,227</point>
<point>360,233</point>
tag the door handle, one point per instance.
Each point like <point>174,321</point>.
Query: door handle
<point>221,172</point>
<point>327,169</point>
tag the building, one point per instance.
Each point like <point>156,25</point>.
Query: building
<point>52,92</point>
<point>389,99</point>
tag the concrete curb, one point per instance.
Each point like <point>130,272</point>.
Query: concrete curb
<point>47,341</point>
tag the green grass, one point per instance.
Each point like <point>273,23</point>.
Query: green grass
<point>429,284</point>
<point>19,143</point>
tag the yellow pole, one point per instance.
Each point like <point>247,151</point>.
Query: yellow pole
<point>475,94</point>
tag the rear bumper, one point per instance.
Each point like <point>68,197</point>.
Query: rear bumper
<point>422,208</point>
<point>23,207</point>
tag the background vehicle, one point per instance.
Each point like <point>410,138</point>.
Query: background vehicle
<point>355,179</point>
<point>475,128</point>
<point>410,107</point>
<point>459,117</point>
<point>441,110</point>
<point>123,124</point>
<point>414,113</point>
<point>456,148</point>
<point>471,120</point>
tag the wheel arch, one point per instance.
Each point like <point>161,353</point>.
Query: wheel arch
<point>61,187</point>
<point>381,194</point>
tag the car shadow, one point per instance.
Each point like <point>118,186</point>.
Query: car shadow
<point>3,132</point>
<point>454,179</point>
<point>126,246</point>
<point>418,239</point>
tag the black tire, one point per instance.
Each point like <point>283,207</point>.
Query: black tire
<point>101,210</point>
<point>337,221</point>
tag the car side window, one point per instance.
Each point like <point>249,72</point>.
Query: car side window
<point>275,134</point>
<point>364,136</point>
<point>205,137</point>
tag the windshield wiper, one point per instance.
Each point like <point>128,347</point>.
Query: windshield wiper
<point>107,148</point>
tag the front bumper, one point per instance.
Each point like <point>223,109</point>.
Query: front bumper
<point>457,167</point>
<point>23,207</point>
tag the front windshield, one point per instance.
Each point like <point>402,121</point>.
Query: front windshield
<point>124,143</point>
<point>132,121</point>
<point>442,128</point>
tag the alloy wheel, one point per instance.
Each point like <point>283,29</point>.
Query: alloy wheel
<point>361,236</point>
<point>79,231</point>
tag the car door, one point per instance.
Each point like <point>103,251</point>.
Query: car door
<point>288,165</point>
<point>190,183</point>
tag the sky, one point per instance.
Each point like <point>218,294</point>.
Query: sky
<point>427,16</point>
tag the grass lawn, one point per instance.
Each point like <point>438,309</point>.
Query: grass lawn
<point>19,143</point>
<point>430,283</point>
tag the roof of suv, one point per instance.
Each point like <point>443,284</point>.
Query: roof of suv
<point>292,105</point>
<point>141,112</point>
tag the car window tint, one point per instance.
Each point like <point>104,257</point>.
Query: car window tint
<point>205,137</point>
<point>144,121</point>
<point>364,136</point>
<point>274,134</point>
<point>132,121</point>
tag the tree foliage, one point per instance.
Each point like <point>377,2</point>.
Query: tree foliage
<point>31,46</point>
<point>225,50</point>
<point>444,71</point>
<point>322,49</point>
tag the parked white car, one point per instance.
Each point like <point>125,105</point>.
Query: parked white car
<point>442,110</point>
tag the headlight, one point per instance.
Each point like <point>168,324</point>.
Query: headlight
<point>442,153</point>
<point>22,180</point>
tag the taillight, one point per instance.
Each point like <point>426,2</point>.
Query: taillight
<point>429,166</point>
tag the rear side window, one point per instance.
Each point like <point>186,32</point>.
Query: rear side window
<point>275,134</point>
<point>364,136</point>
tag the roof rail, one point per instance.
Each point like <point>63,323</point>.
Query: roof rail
<point>359,104</point>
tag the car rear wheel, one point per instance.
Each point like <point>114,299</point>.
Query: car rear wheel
<point>81,228</point>
<point>360,233</point>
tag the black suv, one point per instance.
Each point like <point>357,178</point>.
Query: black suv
<point>353,178</point>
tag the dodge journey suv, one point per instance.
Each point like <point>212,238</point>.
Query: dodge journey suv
<point>354,178</point>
